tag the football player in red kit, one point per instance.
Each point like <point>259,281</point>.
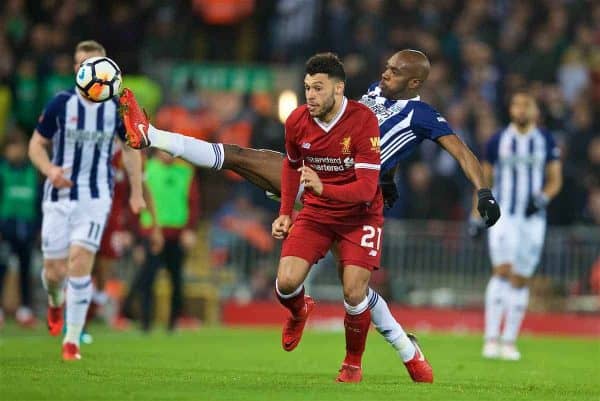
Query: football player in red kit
<point>332,146</point>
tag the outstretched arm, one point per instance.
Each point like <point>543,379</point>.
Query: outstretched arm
<point>467,160</point>
<point>486,204</point>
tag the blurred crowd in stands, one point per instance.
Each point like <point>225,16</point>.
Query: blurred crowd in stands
<point>480,51</point>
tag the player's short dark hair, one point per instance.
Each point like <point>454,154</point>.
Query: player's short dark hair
<point>326,63</point>
<point>521,92</point>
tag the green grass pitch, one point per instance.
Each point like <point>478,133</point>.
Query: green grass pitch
<point>243,364</point>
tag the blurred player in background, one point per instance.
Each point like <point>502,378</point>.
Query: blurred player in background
<point>77,196</point>
<point>19,197</point>
<point>117,237</point>
<point>330,149</point>
<point>522,163</point>
<point>168,235</point>
<point>404,122</point>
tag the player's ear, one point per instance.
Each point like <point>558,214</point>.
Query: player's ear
<point>339,87</point>
<point>415,83</point>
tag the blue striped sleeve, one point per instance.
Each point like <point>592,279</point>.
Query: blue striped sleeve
<point>552,149</point>
<point>428,123</point>
<point>48,123</point>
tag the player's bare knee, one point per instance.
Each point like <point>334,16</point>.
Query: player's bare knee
<point>354,293</point>
<point>80,261</point>
<point>55,270</point>
<point>287,282</point>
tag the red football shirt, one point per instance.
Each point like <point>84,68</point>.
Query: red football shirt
<point>345,155</point>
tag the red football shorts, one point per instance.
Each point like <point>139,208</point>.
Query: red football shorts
<point>358,244</point>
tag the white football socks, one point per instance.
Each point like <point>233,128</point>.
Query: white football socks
<point>495,306</point>
<point>196,151</point>
<point>517,301</point>
<point>388,327</point>
<point>79,296</point>
<point>56,292</point>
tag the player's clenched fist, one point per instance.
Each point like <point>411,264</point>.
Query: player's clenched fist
<point>56,176</point>
<point>281,226</point>
<point>311,180</point>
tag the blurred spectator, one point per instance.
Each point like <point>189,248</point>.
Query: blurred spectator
<point>223,20</point>
<point>239,223</point>
<point>294,29</point>
<point>267,130</point>
<point>481,51</point>
<point>18,217</point>
<point>61,77</point>
<point>27,102</point>
<point>573,75</point>
<point>173,187</point>
<point>118,237</point>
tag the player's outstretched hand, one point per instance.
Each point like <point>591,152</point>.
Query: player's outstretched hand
<point>137,203</point>
<point>281,226</point>
<point>57,178</point>
<point>488,207</point>
<point>311,180</point>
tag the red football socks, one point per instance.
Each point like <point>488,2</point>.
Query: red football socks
<point>357,327</point>
<point>295,304</point>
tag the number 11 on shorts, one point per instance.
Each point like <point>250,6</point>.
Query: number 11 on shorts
<point>367,239</point>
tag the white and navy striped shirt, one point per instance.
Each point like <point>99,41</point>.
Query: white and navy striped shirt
<point>82,135</point>
<point>519,162</point>
<point>403,125</point>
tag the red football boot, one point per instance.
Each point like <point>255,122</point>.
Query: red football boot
<point>349,374</point>
<point>70,352</point>
<point>419,369</point>
<point>135,120</point>
<point>292,331</point>
<point>55,320</point>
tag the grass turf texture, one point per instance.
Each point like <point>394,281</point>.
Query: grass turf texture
<point>243,364</point>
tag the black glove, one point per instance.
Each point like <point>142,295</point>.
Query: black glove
<point>488,207</point>
<point>475,227</point>
<point>390,193</point>
<point>535,204</point>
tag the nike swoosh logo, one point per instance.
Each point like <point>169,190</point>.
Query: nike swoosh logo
<point>141,127</point>
<point>289,344</point>
<point>419,354</point>
<point>81,73</point>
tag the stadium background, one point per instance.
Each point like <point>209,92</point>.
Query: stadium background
<point>227,70</point>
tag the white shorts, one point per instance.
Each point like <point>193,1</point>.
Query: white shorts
<point>68,222</point>
<point>517,241</point>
